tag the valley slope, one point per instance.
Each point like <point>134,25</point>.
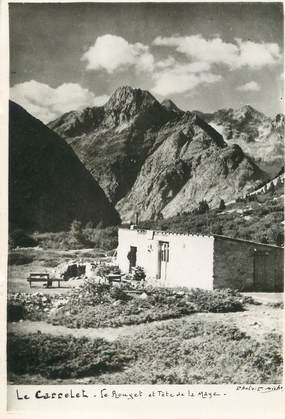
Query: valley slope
<point>48,185</point>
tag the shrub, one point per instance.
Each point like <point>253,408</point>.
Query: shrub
<point>35,306</point>
<point>89,225</point>
<point>197,352</point>
<point>217,301</point>
<point>16,311</point>
<point>138,274</point>
<point>18,238</point>
<point>276,304</point>
<point>103,238</point>
<point>131,312</point>
<point>79,238</point>
<point>60,240</point>
<point>203,207</point>
<point>93,305</point>
<point>118,294</point>
<point>63,356</point>
<point>76,230</point>
<point>103,270</point>
<point>19,259</point>
<point>90,293</point>
<point>217,229</point>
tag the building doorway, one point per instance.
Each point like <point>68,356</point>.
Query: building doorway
<point>163,260</point>
<point>132,257</point>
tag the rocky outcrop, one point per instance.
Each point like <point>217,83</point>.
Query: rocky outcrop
<point>48,185</point>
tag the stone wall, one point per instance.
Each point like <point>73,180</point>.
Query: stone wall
<point>247,266</point>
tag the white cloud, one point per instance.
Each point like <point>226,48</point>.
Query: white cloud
<point>215,51</point>
<point>166,63</point>
<point>111,52</point>
<point>47,103</point>
<point>251,86</point>
<point>199,48</point>
<point>195,67</point>
<point>182,78</point>
<point>257,55</point>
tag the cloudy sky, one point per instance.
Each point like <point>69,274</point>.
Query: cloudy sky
<point>202,56</point>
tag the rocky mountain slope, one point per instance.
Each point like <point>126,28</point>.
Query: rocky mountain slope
<point>153,158</point>
<point>113,140</point>
<point>190,165</point>
<point>261,137</point>
<point>48,185</point>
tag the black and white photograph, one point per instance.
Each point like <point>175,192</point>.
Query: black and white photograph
<point>146,194</point>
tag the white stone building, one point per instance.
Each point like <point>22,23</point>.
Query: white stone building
<point>207,262</point>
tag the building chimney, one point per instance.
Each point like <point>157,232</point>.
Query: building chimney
<point>137,218</point>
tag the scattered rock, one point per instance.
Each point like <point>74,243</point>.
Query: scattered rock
<point>143,296</point>
<point>53,311</point>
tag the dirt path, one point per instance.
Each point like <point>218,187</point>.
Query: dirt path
<point>108,333</point>
<point>255,322</point>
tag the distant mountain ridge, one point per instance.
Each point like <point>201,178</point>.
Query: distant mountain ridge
<point>48,185</point>
<point>261,137</point>
<point>153,158</point>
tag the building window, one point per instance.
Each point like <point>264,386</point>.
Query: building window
<point>164,251</point>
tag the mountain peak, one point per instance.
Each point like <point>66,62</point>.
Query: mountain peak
<point>248,107</point>
<point>126,96</point>
<point>171,106</point>
<point>249,110</point>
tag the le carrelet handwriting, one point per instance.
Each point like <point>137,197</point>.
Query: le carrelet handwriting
<point>39,394</point>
